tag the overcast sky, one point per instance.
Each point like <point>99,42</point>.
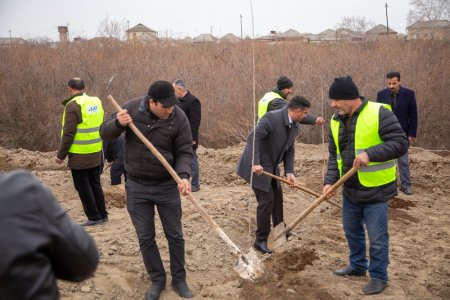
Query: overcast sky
<point>178,18</point>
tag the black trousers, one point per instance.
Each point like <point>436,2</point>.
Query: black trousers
<point>87,183</point>
<point>141,203</point>
<point>270,203</point>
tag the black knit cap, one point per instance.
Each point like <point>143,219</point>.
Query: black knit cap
<point>284,83</point>
<point>343,88</point>
<point>162,91</point>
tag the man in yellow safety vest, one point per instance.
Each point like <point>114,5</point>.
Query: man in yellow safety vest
<point>368,136</point>
<point>81,143</point>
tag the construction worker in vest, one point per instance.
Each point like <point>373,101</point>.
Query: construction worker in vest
<point>278,98</point>
<point>81,143</point>
<point>365,135</point>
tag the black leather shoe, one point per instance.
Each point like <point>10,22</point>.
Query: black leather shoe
<point>262,247</point>
<point>375,286</point>
<point>406,190</point>
<point>92,223</point>
<point>348,271</point>
<point>195,189</point>
<point>153,292</point>
<point>106,219</point>
<point>182,289</point>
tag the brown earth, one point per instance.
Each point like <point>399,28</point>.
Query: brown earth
<point>300,269</point>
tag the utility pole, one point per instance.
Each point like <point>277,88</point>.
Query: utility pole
<point>387,22</point>
<point>211,29</point>
<point>241,26</point>
<point>10,38</point>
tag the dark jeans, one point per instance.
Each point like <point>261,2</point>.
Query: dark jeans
<point>195,170</point>
<point>403,169</point>
<point>87,183</point>
<point>269,204</point>
<point>375,217</point>
<point>141,202</point>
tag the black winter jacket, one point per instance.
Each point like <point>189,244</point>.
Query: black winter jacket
<point>193,110</point>
<point>38,241</point>
<point>172,137</point>
<point>394,145</point>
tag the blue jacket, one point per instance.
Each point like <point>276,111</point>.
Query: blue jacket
<point>405,110</point>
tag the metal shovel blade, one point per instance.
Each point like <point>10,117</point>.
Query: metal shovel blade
<point>249,266</point>
<point>277,236</point>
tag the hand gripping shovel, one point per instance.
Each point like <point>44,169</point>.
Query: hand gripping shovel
<point>311,192</point>
<point>248,266</point>
<point>277,236</point>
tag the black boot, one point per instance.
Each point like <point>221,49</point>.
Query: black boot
<point>348,271</point>
<point>182,289</point>
<point>262,247</point>
<point>153,292</point>
<point>375,286</point>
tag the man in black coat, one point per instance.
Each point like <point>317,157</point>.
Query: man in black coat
<point>193,110</point>
<point>150,185</point>
<point>39,242</point>
<point>403,104</point>
<point>274,135</point>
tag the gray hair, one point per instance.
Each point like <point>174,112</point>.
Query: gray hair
<point>180,82</point>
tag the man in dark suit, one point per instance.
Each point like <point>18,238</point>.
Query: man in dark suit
<point>274,135</point>
<point>403,104</point>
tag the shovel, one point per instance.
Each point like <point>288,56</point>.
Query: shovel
<point>311,192</point>
<point>248,266</point>
<point>277,236</point>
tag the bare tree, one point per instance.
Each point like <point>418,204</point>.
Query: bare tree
<point>111,29</point>
<point>428,10</point>
<point>357,24</point>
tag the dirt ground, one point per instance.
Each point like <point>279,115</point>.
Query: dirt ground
<point>419,230</point>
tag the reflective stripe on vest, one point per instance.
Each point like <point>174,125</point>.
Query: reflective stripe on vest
<point>87,138</point>
<point>366,136</point>
<point>264,103</point>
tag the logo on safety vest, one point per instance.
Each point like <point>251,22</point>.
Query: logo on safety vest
<point>92,109</point>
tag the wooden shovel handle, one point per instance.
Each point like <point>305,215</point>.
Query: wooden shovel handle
<point>319,200</point>
<point>234,249</point>
<point>305,189</point>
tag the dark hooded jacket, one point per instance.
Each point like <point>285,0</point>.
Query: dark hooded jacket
<point>171,137</point>
<point>394,145</point>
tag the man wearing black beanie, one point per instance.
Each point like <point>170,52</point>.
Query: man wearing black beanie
<point>365,135</point>
<point>278,98</point>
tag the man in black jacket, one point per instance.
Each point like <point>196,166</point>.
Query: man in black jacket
<point>39,242</point>
<point>193,110</point>
<point>365,135</point>
<point>274,143</point>
<point>149,184</point>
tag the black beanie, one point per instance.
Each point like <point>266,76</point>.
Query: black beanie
<point>284,83</point>
<point>343,88</point>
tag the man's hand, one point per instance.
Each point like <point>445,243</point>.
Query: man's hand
<point>184,187</point>
<point>411,139</point>
<point>361,160</point>
<point>326,187</point>
<point>59,161</point>
<point>291,178</point>
<point>320,121</point>
<point>258,169</point>
<point>124,117</point>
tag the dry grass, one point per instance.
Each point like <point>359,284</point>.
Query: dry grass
<point>33,82</point>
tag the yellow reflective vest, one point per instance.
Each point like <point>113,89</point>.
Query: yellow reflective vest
<point>87,138</point>
<point>264,103</point>
<point>366,136</point>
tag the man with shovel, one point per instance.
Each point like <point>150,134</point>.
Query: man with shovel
<point>367,136</point>
<point>149,184</point>
<point>274,135</point>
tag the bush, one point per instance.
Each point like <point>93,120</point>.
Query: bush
<point>33,81</point>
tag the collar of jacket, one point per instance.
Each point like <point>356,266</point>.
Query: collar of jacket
<point>64,102</point>
<point>338,117</point>
<point>144,108</point>
<point>185,97</point>
<point>275,90</point>
<point>286,117</point>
